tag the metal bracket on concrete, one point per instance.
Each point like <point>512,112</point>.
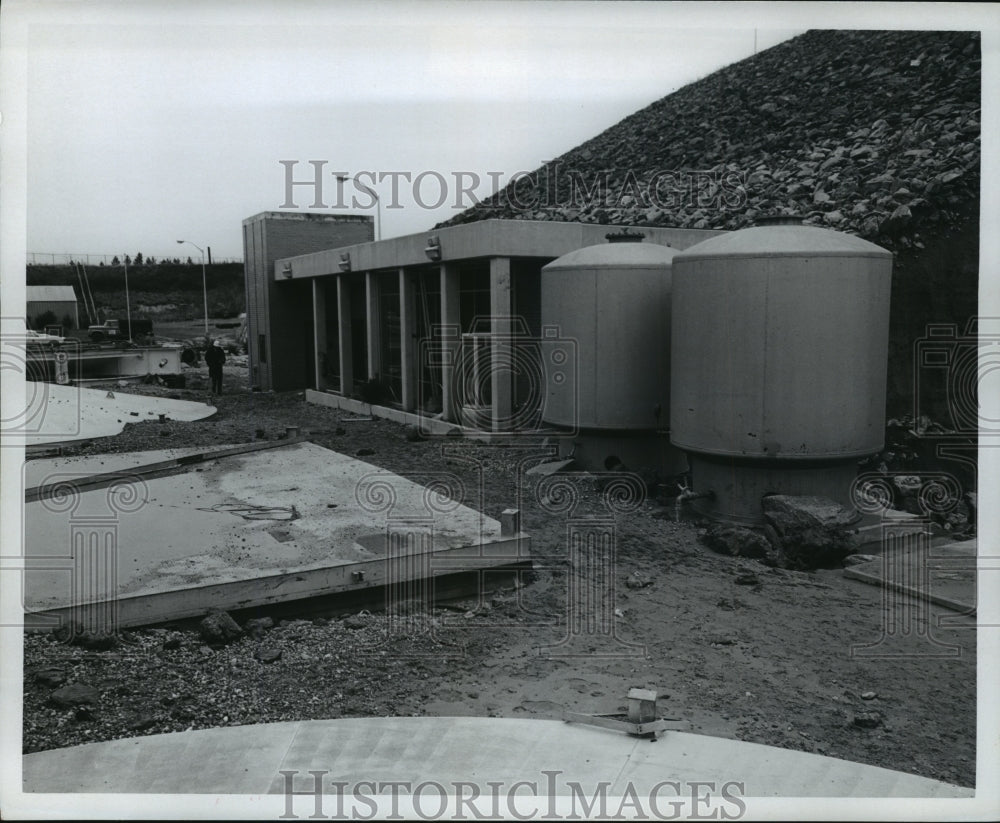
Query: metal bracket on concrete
<point>510,522</point>
<point>640,721</point>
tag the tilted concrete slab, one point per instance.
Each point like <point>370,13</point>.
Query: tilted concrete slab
<point>263,527</point>
<point>80,466</point>
<point>942,571</point>
<point>62,414</point>
<point>252,759</point>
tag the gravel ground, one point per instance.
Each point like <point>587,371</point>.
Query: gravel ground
<point>734,648</point>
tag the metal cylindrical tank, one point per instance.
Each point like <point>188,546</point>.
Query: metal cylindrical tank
<point>612,303</point>
<point>779,350</point>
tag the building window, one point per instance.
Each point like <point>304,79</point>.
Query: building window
<point>261,348</point>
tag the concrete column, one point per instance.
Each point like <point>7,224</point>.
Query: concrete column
<point>451,332</point>
<point>319,331</point>
<point>408,347</point>
<point>344,334</point>
<point>501,357</point>
<point>371,310</point>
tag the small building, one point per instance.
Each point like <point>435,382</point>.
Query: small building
<point>442,323</point>
<point>279,356</point>
<point>60,301</point>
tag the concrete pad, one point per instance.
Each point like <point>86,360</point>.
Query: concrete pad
<point>251,759</point>
<point>62,414</point>
<point>949,566</point>
<point>79,466</point>
<point>871,528</point>
<point>243,530</point>
<point>769,771</point>
<point>164,763</point>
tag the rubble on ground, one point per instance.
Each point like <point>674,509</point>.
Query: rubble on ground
<point>810,532</point>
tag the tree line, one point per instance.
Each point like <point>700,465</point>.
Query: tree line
<point>150,275</point>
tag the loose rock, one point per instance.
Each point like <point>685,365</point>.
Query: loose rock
<point>256,627</point>
<point>219,628</point>
<point>51,677</point>
<point>76,694</point>
<point>858,559</point>
<point>96,641</point>
<point>737,541</point>
<point>142,723</point>
<point>638,580</point>
<point>813,531</point>
<point>868,720</point>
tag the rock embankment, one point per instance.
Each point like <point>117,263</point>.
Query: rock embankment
<point>876,133</point>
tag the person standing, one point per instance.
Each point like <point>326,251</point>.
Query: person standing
<point>215,357</point>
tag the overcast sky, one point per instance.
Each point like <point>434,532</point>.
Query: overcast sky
<point>148,121</point>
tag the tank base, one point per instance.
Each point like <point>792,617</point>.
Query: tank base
<point>601,451</point>
<point>738,485</point>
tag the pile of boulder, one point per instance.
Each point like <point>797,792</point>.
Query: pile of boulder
<point>876,133</point>
<point>801,532</point>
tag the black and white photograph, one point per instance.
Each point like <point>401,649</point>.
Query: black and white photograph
<point>504,410</point>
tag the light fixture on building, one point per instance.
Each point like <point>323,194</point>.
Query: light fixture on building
<point>286,270</point>
<point>345,261</point>
<point>433,250</point>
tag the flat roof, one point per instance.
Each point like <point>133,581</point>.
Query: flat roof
<point>308,216</point>
<point>482,239</point>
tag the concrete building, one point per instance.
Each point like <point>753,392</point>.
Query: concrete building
<point>60,300</point>
<point>280,355</point>
<point>444,322</point>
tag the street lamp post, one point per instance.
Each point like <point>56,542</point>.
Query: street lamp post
<point>204,281</point>
<point>128,307</point>
<point>378,203</point>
